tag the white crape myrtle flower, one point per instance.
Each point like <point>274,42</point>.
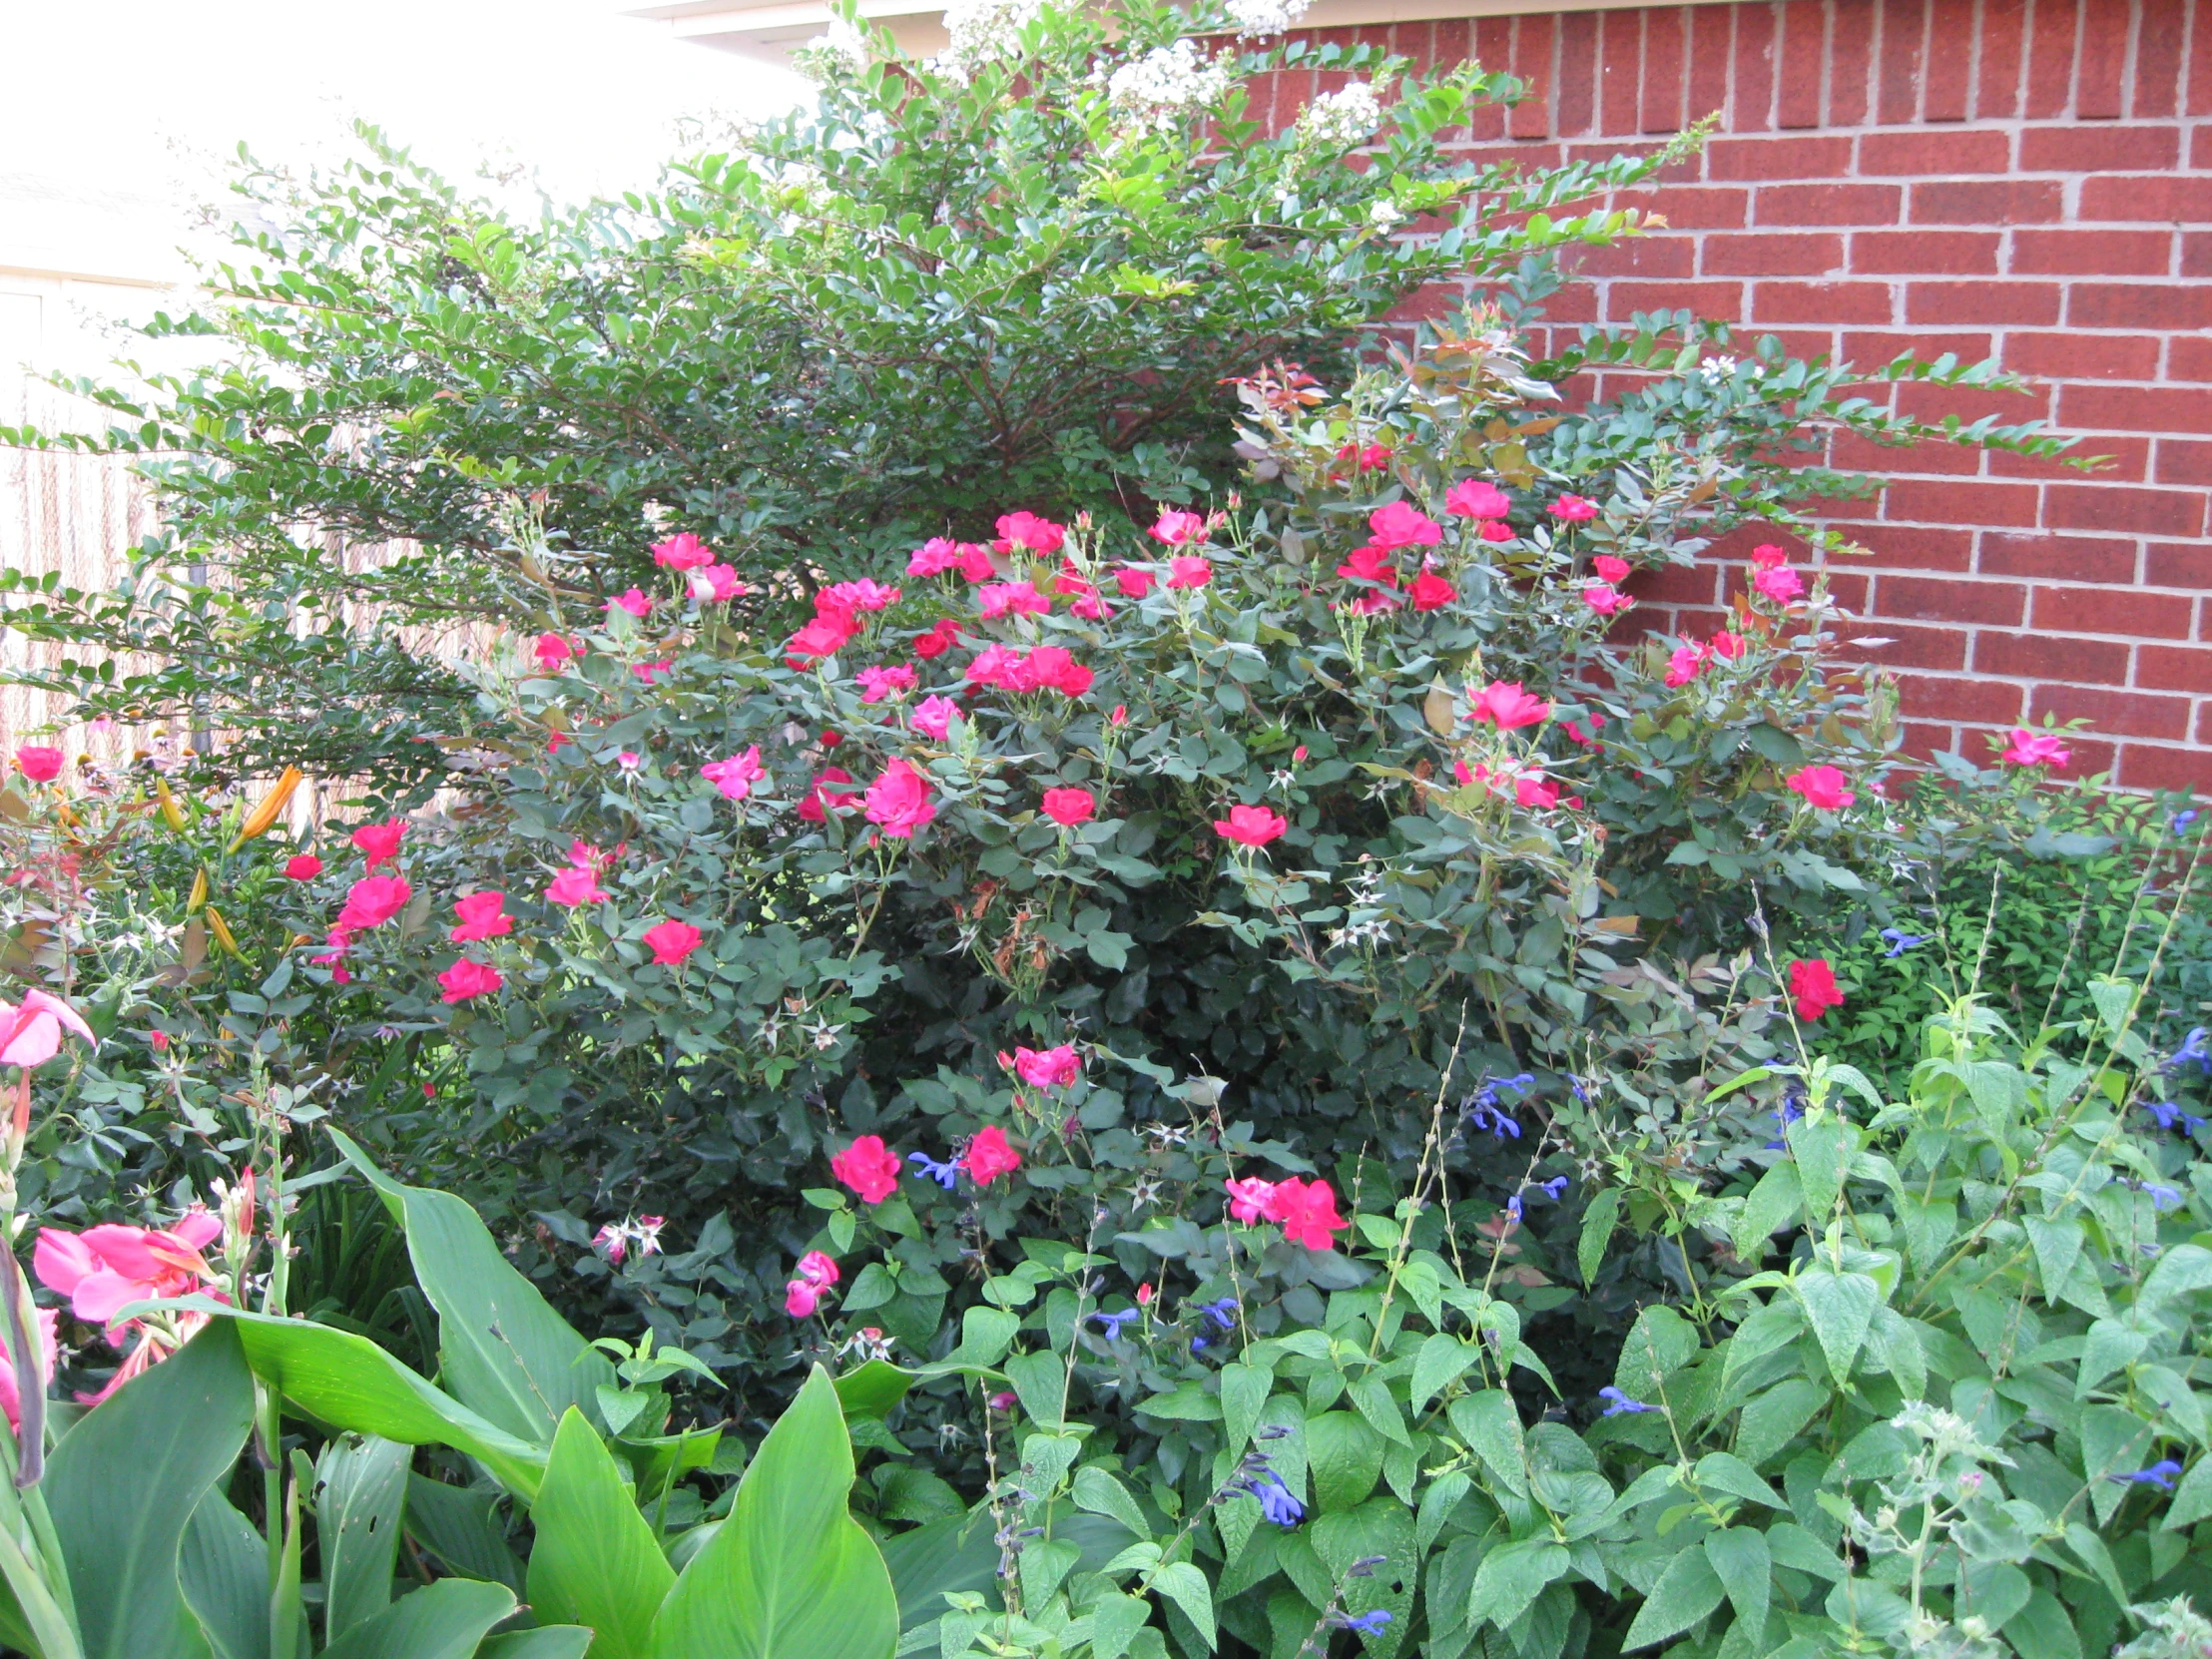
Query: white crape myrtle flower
<point>1341,119</point>
<point>1266,17</point>
<point>1385,214</point>
<point>1159,90</point>
<point>984,31</point>
<point>839,49</point>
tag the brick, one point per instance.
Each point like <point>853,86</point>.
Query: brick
<point>1708,35</point>
<point>1800,253</point>
<point>1531,61</point>
<point>2084,357</point>
<point>2119,460</point>
<point>2174,667</point>
<point>1997,83</point>
<point>2051,59</point>
<point>2105,26</point>
<point>1935,697</point>
<point>1949,75</point>
<point>2137,408</point>
<point>1988,202</point>
<point>2160,53</point>
<point>1661,80</point>
<point>1934,403</point>
<point>2130,612</point>
<point>1961,501</point>
<point>2138,306</point>
<point>1751,101</point>
<point>2092,253</point>
<point>2145,198</point>
<point>2183,462</point>
<point>2065,558</point>
<point>1925,154</point>
<point>1827,203</point>
<point>1906,647</point>
<point>1952,599</point>
<point>1822,303</point>
<point>1657,256</point>
<point>2051,656</point>
<point>1721,301</point>
<point>1576,102</point>
<point>1914,252</point>
<point>2182,771</point>
<point>2075,147</point>
<point>1619,68</point>
<point>1915,547</point>
<point>1898,72</point>
<point>1754,159</point>
<point>1676,585</point>
<point>1982,305</point>
<point>1853,453</point>
<point>1879,346</point>
<point>2177,565</point>
<point>1800,61</point>
<point>1702,206</point>
<point>1923,739</point>
<point>2122,714</point>
<point>2196,247</point>
<point>2150,512</point>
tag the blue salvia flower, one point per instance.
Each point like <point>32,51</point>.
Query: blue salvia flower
<point>1501,1121</point>
<point>1621,1404</point>
<point>2182,821</point>
<point>1555,1186</point>
<point>2160,1474</point>
<point>946,1176</point>
<point>1223,1314</point>
<point>1785,1114</point>
<point>2168,1114</point>
<point>1901,941</point>
<point>2162,1197</point>
<point>1197,1344</point>
<point>2197,1046</point>
<point>1580,1086</point>
<point>1367,1624</point>
<point>1111,1324</point>
<point>1276,1502</point>
<point>1513,1208</point>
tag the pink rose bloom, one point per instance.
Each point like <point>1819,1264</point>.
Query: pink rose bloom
<point>1039,535</point>
<point>1306,1211</point>
<point>1430,592</point>
<point>575,885</point>
<point>801,1299</point>
<point>1606,600</point>
<point>856,596</point>
<point>1574,510</point>
<point>31,1035</point>
<point>1533,789</point>
<point>303,866</point>
<point>373,901</point>
<point>1812,988</point>
<point>1180,529</point>
<point>1052,669</point>
<point>1477,498</point>
<point>1370,563</point>
<point>992,665</point>
<point>1496,529</point>
<point>671,941</point>
<point>1250,825</point>
<point>1509,706</point>
<point>1767,556</point>
<point>2035,749</point>
<point>105,1268</point>
<point>650,672</point>
<point>933,557</point>
<point>1686,664</point>
<point>379,843</point>
<point>1051,1068</point>
<point>635,602</point>
<point>466,979</point>
<point>828,791</point>
<point>1189,571</point>
<point>869,1167</point>
<point>1779,584</point>
<point>1249,1199</point>
<point>1089,603</point>
<point>483,917</point>
<point>1399,524</point>
<point>552,651</point>
<point>1068,807</point>
<point>717,584</point>
<point>934,716</point>
<point>1610,569</point>
<point>736,775</point>
<point>38,762</point>
<point>939,640</point>
<point>989,1156</point>
<point>1134,581</point>
<point>1726,645</point>
<point>1822,786</point>
<point>1003,599</point>
<point>899,800</point>
<point>826,636</point>
<point>683,551</point>
<point>877,682</point>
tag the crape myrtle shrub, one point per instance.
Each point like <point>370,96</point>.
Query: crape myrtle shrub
<point>1021,275</point>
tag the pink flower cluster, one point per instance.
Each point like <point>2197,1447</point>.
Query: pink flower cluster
<point>1770,576</point>
<point>1689,659</point>
<point>817,1272</point>
<point>1048,1068</point>
<point>1047,668</point>
<point>836,619</point>
<point>1305,1209</point>
<point>939,555</point>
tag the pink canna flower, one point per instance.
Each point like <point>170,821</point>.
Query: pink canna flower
<point>467,980</point>
<point>1180,529</point>
<point>1509,706</point>
<point>2035,749</point>
<point>1574,510</point>
<point>901,800</point>
<point>1189,571</point>
<point>990,1154</point>
<point>1400,524</point>
<point>1133,581</point>
<point>1249,1199</point>
<point>31,1034</point>
<point>552,651</point>
<point>879,682</point>
<point>1822,787</point>
<point>303,866</point>
<point>635,601</point>
<point>1250,825</point>
<point>1039,535</point>
<point>671,940</point>
<point>1477,498</point>
<point>48,1352</point>
<point>736,775</point>
<point>39,763</point>
<point>379,843</point>
<point>934,716</point>
<point>373,901</point>
<point>683,551</point>
<point>1068,807</point>
<point>483,917</point>
<point>105,1268</point>
<point>869,1167</point>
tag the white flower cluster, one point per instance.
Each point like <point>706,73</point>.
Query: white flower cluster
<point>1341,120</point>
<point>984,31</point>
<point>1159,90</point>
<point>1266,17</point>
<point>840,50</point>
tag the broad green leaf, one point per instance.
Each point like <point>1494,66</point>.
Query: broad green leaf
<point>2112,1345</point>
<point>595,1561</point>
<point>1379,1527</point>
<point>445,1620</point>
<point>506,1355</point>
<point>1822,1143</point>
<point>1892,1338</point>
<point>548,1641</point>
<point>1102,1495</point>
<point>1182,1584</point>
<point>2043,1629</point>
<point>873,1388</point>
<point>124,1483</point>
<point>2182,1269</point>
<point>1994,1591</point>
<point>1115,1622</point>
<point>1244,1391</point>
<point>1040,1382</point>
<point>1724,1472</point>
<point>1687,1591</point>
<point>1772,1420</point>
<point>1443,1359</point>
<point>1490,1424</point>
<point>2192,1499</point>
<point>956,1553</point>
<point>985,1335</point>
<point>1370,1395</point>
<point>1929,1228</point>
<point>1597,1232</point>
<point>1510,1577</point>
<point>1660,1344</point>
<point>2113,1441</point>
<point>223,1570</point>
<point>1343,1456</point>
<point>1839,1306</point>
<point>459,1526</point>
<point>2058,1247</point>
<point>1739,1556</point>
<point>360,1489</point>
<point>1770,1206</point>
<point>791,1574</point>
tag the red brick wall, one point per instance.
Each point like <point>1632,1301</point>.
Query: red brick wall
<point>2029,180</point>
